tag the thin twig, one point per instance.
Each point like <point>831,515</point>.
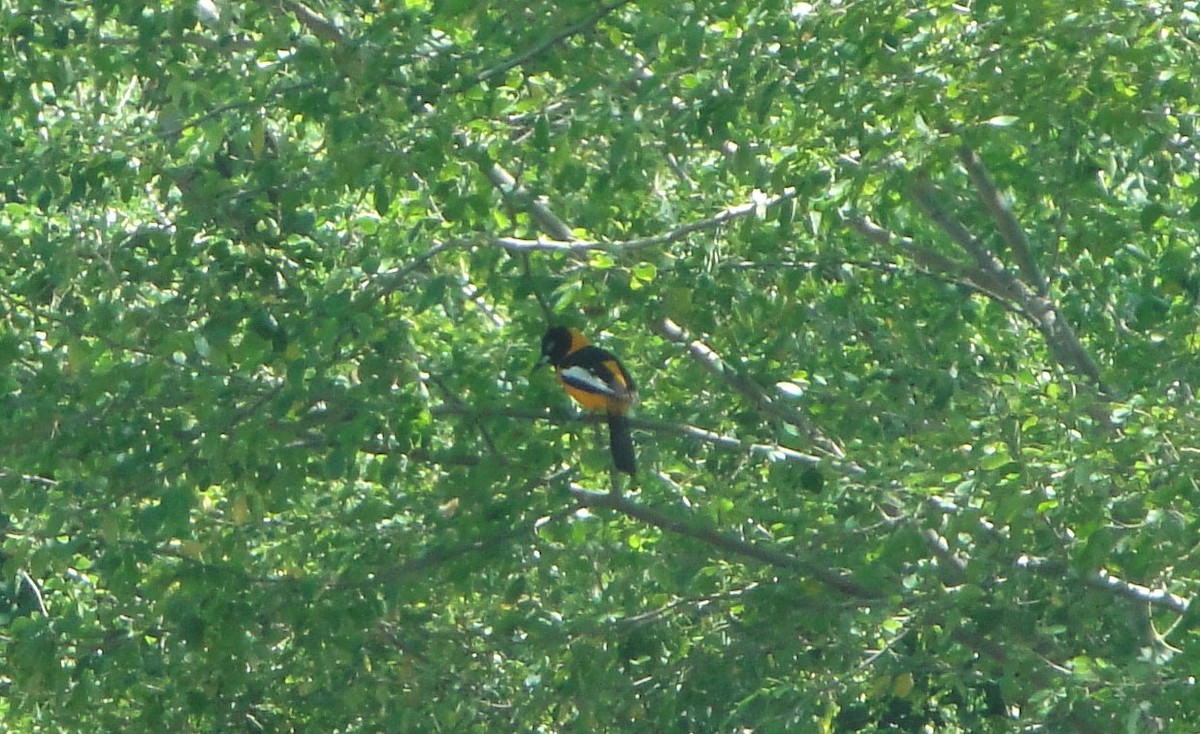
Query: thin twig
<point>452,397</point>
<point>716,365</point>
<point>570,244</point>
<point>30,584</point>
<point>441,556</point>
<point>883,650</point>
<point>550,42</point>
<point>386,282</point>
<point>772,451</point>
<point>714,600</point>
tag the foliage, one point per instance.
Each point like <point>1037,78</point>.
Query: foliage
<point>910,291</point>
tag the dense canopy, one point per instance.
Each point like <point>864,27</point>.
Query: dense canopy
<point>909,291</point>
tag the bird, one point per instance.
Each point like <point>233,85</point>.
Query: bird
<point>596,380</point>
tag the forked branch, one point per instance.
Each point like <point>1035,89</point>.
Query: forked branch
<point>1011,231</point>
<point>986,272</point>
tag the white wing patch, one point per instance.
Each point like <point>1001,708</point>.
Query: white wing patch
<point>583,379</point>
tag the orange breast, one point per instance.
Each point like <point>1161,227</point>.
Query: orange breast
<point>589,400</point>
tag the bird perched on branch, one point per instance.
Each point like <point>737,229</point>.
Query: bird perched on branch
<point>598,381</point>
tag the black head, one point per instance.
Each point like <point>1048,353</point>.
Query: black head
<point>555,345</point>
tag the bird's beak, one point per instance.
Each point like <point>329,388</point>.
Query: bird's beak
<point>542,362</point>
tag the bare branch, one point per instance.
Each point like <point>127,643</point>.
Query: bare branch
<point>1102,579</point>
<point>884,649</point>
<point>717,366</point>
<point>1064,342</point>
<point>1006,222</point>
<point>706,604</point>
<point>774,452</point>
<point>957,275</point>
<point>770,556</point>
<point>954,566</point>
<point>1056,569</point>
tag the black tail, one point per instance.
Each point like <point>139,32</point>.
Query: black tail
<point>621,444</point>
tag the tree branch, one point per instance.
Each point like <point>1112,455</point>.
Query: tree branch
<point>844,585</point>
<point>514,192</point>
<point>950,562</point>
<point>451,397</point>
<point>548,43</point>
<point>717,366</point>
<point>991,275</point>
<point>390,280</point>
<point>770,556</point>
<point>1103,580</point>
<point>775,452</point>
<point>925,256</point>
<point>36,590</point>
<point>927,198</point>
<point>314,22</point>
<point>439,557</point>
<point>225,44</point>
<point>1100,579</point>
<point>31,478</point>
<point>1006,222</point>
<point>568,243</point>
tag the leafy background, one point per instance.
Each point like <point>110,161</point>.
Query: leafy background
<point>909,288</point>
